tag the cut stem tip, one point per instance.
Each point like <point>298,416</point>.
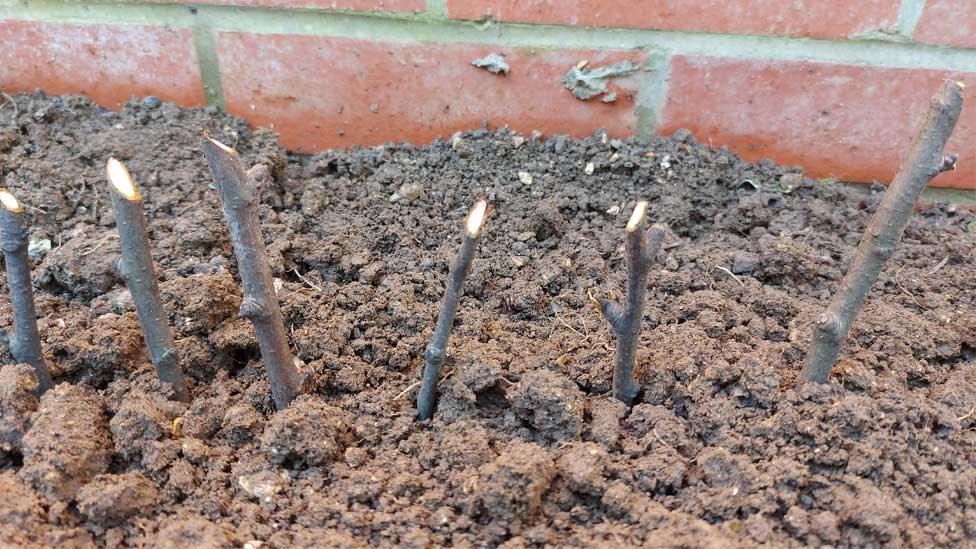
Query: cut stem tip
<point>637,218</point>
<point>9,201</point>
<point>121,180</point>
<point>225,148</point>
<point>476,219</point>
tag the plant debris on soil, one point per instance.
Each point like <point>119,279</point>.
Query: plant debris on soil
<point>527,448</point>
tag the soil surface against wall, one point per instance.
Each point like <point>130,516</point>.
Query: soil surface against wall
<point>526,448</point>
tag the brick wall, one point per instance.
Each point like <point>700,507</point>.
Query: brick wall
<point>836,86</point>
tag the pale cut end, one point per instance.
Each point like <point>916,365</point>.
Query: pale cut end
<point>9,201</point>
<point>636,218</point>
<point>476,219</point>
<point>229,150</point>
<point>121,180</point>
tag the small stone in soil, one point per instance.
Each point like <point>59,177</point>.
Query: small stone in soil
<point>790,181</point>
<point>263,485</point>
<point>151,102</point>
<point>411,191</point>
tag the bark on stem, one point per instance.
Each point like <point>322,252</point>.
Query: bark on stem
<point>25,341</point>
<point>136,267</point>
<point>434,356</point>
<point>240,197</point>
<point>625,320</point>
<point>924,161</point>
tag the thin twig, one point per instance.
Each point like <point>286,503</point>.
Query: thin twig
<point>574,330</point>
<point>306,281</point>
<point>98,245</point>
<point>903,289</point>
<point>728,272</point>
<point>407,390</point>
<point>971,412</point>
<point>939,266</point>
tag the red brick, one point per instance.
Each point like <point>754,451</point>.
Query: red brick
<point>812,18</point>
<point>850,122</point>
<point>948,22</point>
<point>107,63</point>
<point>352,5</point>
<point>320,92</point>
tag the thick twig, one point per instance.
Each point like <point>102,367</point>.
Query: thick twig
<point>434,357</point>
<point>25,342</point>
<point>924,161</point>
<point>239,196</point>
<point>136,267</point>
<point>625,320</point>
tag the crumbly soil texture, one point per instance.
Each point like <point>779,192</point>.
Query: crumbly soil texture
<point>723,447</point>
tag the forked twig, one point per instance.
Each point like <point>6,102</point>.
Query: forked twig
<point>625,319</point>
<point>924,161</point>
<point>239,195</point>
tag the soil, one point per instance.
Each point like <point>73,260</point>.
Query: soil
<point>526,449</point>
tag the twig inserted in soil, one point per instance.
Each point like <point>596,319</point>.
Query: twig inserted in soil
<point>924,161</point>
<point>136,268</point>
<point>434,356</point>
<point>239,195</point>
<point>25,341</point>
<point>643,246</point>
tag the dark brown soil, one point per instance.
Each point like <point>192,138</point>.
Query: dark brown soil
<point>526,448</point>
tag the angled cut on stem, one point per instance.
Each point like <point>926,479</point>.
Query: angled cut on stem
<point>136,267</point>
<point>25,341</point>
<point>924,161</point>
<point>434,356</point>
<point>642,246</point>
<point>239,195</point>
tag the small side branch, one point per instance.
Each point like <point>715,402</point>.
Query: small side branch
<point>924,161</point>
<point>239,196</point>
<point>25,342</point>
<point>436,349</point>
<point>625,319</point>
<point>137,269</point>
